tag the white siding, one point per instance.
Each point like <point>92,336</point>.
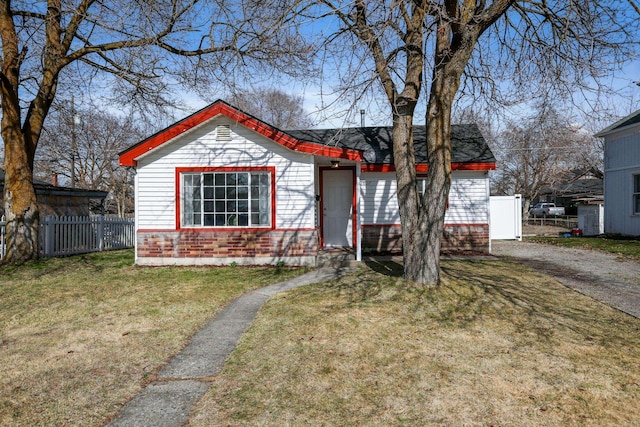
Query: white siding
<point>156,195</point>
<point>468,198</point>
<point>622,161</point>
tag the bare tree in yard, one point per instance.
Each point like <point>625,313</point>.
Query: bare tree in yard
<point>537,152</point>
<point>104,44</point>
<point>437,46</point>
<point>274,106</point>
<point>81,146</point>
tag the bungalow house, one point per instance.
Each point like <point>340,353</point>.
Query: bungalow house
<point>574,188</point>
<point>222,186</point>
<point>622,176</point>
<point>60,201</point>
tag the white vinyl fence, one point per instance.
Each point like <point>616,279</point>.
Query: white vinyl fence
<point>70,235</point>
<point>505,217</point>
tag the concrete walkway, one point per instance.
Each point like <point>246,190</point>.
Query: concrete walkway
<point>180,384</point>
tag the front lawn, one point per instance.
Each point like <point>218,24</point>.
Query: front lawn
<point>81,335</point>
<point>622,246</point>
<point>497,344</point>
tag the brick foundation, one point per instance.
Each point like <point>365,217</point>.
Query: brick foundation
<point>225,247</point>
<point>456,238</point>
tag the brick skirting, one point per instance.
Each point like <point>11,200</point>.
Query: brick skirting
<point>223,247</point>
<point>388,238</point>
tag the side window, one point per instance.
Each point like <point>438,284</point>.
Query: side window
<point>636,194</point>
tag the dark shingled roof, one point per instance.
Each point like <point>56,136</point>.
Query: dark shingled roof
<point>42,187</point>
<point>467,143</point>
<point>631,119</point>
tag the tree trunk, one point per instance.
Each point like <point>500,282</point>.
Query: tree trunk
<point>21,211</point>
<point>409,202</point>
<point>422,215</point>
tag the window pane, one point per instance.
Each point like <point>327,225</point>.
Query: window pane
<point>232,178</point>
<point>219,220</point>
<point>243,178</point>
<point>243,192</point>
<point>231,206</point>
<point>243,220</point>
<point>208,179</point>
<point>208,206</point>
<point>219,193</point>
<point>220,206</point>
<point>208,220</point>
<point>231,192</point>
<point>243,206</point>
<point>232,220</point>
<point>264,218</point>
<point>637,204</point>
<point>255,219</point>
<point>219,179</point>
<point>208,192</point>
<point>636,183</point>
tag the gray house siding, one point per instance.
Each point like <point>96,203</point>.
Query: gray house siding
<point>621,164</point>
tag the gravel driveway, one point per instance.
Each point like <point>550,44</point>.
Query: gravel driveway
<point>602,276</point>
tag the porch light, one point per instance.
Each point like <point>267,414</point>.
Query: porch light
<point>335,164</point>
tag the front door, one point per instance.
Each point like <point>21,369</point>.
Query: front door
<point>337,208</point>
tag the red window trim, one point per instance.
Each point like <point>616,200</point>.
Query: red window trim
<point>181,170</point>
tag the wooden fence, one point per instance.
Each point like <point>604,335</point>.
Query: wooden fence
<point>70,235</point>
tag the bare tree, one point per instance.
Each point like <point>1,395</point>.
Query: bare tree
<point>537,152</point>
<point>274,106</point>
<point>80,147</point>
<point>53,44</point>
<point>472,48</point>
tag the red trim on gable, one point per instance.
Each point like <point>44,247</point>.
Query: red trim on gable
<point>422,167</point>
<point>178,202</point>
<point>130,156</point>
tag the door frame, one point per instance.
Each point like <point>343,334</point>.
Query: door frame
<point>354,212</point>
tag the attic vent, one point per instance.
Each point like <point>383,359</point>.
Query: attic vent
<point>223,133</point>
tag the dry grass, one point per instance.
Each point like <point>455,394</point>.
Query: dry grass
<point>497,344</point>
<point>623,246</point>
<point>81,335</point>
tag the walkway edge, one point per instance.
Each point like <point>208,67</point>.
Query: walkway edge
<point>185,379</point>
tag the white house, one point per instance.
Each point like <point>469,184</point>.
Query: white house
<point>222,186</point>
<point>622,176</point>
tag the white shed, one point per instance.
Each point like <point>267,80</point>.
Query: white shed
<point>591,219</point>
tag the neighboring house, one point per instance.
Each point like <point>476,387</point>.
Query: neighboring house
<point>60,201</point>
<point>221,187</point>
<point>575,188</point>
<point>622,176</point>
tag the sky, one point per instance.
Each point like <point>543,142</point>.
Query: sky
<point>336,116</point>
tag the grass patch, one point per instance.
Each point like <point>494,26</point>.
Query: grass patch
<point>81,335</point>
<point>621,246</point>
<point>497,344</point>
